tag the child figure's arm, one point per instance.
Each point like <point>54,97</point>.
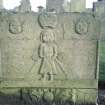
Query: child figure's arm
<point>41,50</point>
<point>55,51</point>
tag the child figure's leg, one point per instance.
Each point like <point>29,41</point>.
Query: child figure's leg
<point>48,77</point>
<point>51,77</point>
<point>45,76</point>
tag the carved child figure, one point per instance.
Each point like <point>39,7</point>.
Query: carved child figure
<point>48,54</point>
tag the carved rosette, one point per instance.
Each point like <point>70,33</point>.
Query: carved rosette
<point>15,27</point>
<point>81,26</point>
<point>48,20</point>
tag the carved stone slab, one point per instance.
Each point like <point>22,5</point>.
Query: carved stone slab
<point>50,51</point>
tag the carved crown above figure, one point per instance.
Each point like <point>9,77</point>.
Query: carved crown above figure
<point>48,19</point>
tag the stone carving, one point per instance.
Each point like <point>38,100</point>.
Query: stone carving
<point>81,27</point>
<point>48,53</point>
<point>65,61</point>
<point>48,20</point>
<point>51,95</point>
<point>15,27</point>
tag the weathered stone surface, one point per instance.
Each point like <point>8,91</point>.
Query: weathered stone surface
<point>50,50</point>
<point>57,52</point>
<point>21,49</point>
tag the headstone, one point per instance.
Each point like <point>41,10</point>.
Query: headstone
<point>56,5</point>
<point>49,58</point>
<point>77,5</point>
<point>99,8</point>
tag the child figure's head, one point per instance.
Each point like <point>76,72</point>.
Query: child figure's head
<point>47,36</point>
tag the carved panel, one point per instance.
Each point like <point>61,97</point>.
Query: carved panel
<point>50,65</point>
<point>61,95</point>
<point>39,53</point>
<point>81,27</point>
<point>49,55</point>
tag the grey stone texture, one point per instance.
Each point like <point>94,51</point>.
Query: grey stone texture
<point>50,56</point>
<point>49,50</point>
